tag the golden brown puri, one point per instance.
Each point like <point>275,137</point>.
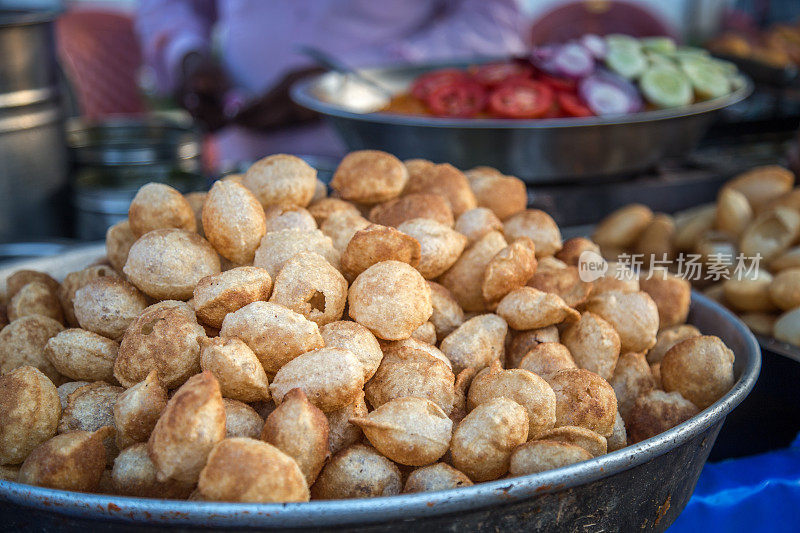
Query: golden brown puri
<point>159,206</point>
<point>369,177</point>
<point>282,180</point>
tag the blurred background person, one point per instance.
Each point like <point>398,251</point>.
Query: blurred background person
<point>230,63</point>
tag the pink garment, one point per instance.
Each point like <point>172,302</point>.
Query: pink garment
<point>257,40</point>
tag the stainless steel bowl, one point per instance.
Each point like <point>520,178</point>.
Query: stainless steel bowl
<point>538,151</point>
<point>644,486</point>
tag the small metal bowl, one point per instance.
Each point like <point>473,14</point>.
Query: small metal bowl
<point>537,151</point>
<point>644,486</point>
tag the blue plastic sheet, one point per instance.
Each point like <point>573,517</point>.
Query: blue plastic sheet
<point>758,493</point>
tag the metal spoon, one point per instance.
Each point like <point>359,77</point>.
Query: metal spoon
<point>328,61</point>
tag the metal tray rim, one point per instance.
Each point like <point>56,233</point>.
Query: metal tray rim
<point>302,93</point>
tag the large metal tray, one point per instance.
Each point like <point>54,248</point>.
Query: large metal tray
<point>538,151</point>
<point>644,486</point>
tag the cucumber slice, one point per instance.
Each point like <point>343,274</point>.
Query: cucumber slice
<point>708,79</point>
<point>625,61</point>
<point>618,40</point>
<point>666,87</point>
<point>664,45</point>
<point>728,68</point>
<point>655,59</point>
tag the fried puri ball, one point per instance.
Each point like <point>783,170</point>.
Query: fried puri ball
<point>137,410</point>
<point>322,209</point>
<point>584,399</point>
<point>655,412</point>
<point>565,283</point>
<point>618,277</point>
<point>309,285</point>
<point>632,378</point>
<point>529,308</point>
<point>784,289</point>
<point>22,343</point>
<point>760,323</point>
<point>447,314</point>
<point>341,226</point>
<point>416,344</point>
<point>30,410</point>
<point>275,334</point>
<point>107,306</point>
<point>35,298</point>
<point>700,368</point>
<point>417,205</point>
<point>191,424</point>
<point>762,184</point>
<point>277,247</point>
<point>391,299</point>
<point>369,177</point>
<point>282,180</point>
<point>168,263</point>
<point>509,269</point>
<point>134,474</point>
<point>196,201</point>
<point>573,248</point>
<point>547,358</point>
<point>74,281</point>
<point>734,213</point>
<point>462,384</point>
<point>90,408</point>
<point>771,233</point>
<point>466,277</point>
<point>435,477</point>
<point>587,439</point>
<point>165,337</point>
<point>82,355</point>
<point>476,223</point>
<point>357,472</point>
<point>159,206</point>
<point>252,471</point>
<point>119,239</point>
<point>542,455</point>
<point>408,371</point>
<point>220,294</point>
<point>524,387</point>
<point>331,378</point>
<point>300,430</point>
<point>425,333</point>
<point>669,337</point>
<point>621,228</point>
<point>539,227</point>
<point>476,343</point>
<point>671,294</point>
<point>376,243</point>
<point>504,195</point>
<point>523,342</point>
<point>410,431</point>
<point>71,461</point>
<point>444,180</point>
<point>20,278</point>
<point>593,343</point>
<point>342,432</point>
<point>440,245</point>
<point>634,315</point>
<point>619,436</point>
<point>357,339</point>
<point>233,221</point>
<point>65,389</point>
<point>237,369</point>
<point>483,442</point>
<point>279,218</point>
<point>241,420</point>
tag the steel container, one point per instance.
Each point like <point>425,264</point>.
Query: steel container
<point>33,159</point>
<point>644,486</point>
<point>538,151</point>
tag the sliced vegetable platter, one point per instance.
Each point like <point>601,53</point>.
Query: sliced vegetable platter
<point>592,76</point>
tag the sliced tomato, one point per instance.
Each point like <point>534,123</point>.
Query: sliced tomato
<point>572,105</point>
<point>425,84</point>
<point>462,99</point>
<point>558,84</point>
<point>521,99</point>
<point>555,111</point>
<point>493,74</point>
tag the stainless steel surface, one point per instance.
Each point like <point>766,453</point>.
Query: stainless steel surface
<point>113,158</point>
<point>538,151</point>
<point>642,486</point>
<point>779,347</point>
<point>33,161</point>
